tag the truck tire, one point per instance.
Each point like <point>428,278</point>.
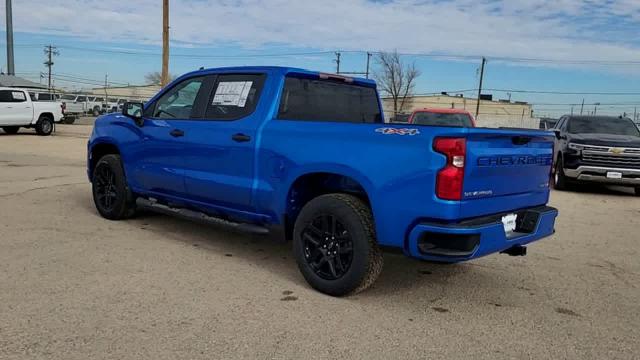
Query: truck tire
<point>69,119</point>
<point>11,129</point>
<point>111,194</point>
<point>44,126</point>
<point>96,111</point>
<point>637,190</point>
<point>559,179</point>
<point>335,246</point>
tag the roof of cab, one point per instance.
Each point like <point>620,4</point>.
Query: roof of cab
<point>283,70</point>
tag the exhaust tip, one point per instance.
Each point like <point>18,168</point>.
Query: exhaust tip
<point>517,250</point>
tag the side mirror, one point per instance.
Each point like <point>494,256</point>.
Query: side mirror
<point>557,132</point>
<point>134,111</point>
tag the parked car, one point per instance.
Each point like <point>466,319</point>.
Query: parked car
<point>602,149</point>
<point>305,154</point>
<point>18,110</point>
<point>73,106</point>
<point>442,117</point>
<point>400,119</point>
<point>95,105</point>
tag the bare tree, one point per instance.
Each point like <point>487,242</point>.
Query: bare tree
<point>153,78</point>
<point>395,78</point>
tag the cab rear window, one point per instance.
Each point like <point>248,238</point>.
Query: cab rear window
<point>327,100</point>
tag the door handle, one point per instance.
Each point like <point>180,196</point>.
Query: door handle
<point>241,137</point>
<point>176,133</point>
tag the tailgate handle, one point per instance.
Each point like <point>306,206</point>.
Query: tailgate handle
<point>520,140</point>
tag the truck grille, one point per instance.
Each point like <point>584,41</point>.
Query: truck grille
<point>612,157</point>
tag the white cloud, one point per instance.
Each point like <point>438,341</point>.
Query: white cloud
<point>560,29</point>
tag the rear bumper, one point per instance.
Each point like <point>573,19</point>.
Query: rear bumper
<point>479,237</point>
<point>599,174</point>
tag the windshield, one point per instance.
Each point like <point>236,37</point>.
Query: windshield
<point>442,119</point>
<point>68,97</point>
<point>81,99</point>
<point>613,126</point>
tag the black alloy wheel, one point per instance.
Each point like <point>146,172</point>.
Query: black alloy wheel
<point>328,248</point>
<point>106,192</point>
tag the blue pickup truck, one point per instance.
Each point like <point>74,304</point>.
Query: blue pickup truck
<point>307,156</point>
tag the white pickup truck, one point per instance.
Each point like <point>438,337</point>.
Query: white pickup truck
<point>18,110</point>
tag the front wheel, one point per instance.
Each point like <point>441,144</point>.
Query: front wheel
<point>335,245</point>
<point>11,129</point>
<point>559,179</point>
<point>44,126</point>
<point>111,194</point>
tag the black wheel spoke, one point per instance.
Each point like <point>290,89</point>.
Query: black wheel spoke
<point>338,263</point>
<point>332,267</point>
<point>315,242</point>
<point>346,249</point>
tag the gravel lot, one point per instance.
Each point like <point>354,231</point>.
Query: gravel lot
<point>76,286</point>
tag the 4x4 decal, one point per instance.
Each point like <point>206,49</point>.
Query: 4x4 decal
<point>396,131</point>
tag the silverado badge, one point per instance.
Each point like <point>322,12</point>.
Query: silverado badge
<point>616,150</point>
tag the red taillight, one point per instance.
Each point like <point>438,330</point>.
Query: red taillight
<point>449,180</point>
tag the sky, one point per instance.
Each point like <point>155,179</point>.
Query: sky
<point>561,46</point>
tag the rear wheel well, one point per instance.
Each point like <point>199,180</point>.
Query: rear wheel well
<point>98,151</point>
<point>46,115</point>
<point>309,186</point>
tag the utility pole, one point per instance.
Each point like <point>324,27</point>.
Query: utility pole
<point>368,60</point>
<point>50,51</point>
<point>571,109</point>
<point>337,60</point>
<point>106,85</point>
<point>10,64</point>
<point>635,114</point>
<point>480,85</point>
<point>164,79</point>
<point>582,106</point>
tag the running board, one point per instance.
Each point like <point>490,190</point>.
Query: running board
<point>200,217</point>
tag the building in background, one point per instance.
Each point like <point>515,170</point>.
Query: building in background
<point>133,92</point>
<point>501,113</point>
<point>15,81</point>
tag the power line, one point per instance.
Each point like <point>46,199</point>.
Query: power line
<point>616,93</point>
<point>328,52</point>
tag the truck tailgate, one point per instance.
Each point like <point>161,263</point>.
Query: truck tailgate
<point>505,169</point>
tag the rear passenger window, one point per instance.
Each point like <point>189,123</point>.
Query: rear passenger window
<point>12,96</point>
<point>326,100</point>
<point>234,96</point>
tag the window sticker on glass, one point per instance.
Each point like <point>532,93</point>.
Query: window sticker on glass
<point>18,95</point>
<point>232,93</point>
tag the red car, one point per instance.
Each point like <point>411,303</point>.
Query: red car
<point>442,117</point>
